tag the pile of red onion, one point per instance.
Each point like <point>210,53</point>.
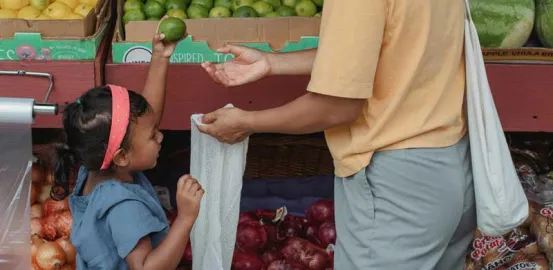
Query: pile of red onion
<point>276,240</point>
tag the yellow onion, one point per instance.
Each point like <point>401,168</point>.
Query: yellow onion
<point>50,256</point>
<point>36,227</point>
<point>36,210</point>
<point>68,248</point>
<point>44,193</point>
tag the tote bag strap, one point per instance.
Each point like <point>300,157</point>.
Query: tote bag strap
<point>467,10</point>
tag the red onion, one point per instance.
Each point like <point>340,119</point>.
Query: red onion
<point>187,256</point>
<point>69,267</point>
<point>250,236</point>
<point>280,265</point>
<point>270,256</point>
<point>311,234</point>
<point>50,256</point>
<point>301,252</point>
<point>320,211</point>
<point>272,233</point>
<point>291,226</point>
<point>265,215</point>
<point>327,234</point>
<point>36,211</point>
<point>51,206</point>
<point>36,227</point>
<point>247,216</point>
<point>68,249</point>
<point>35,267</point>
<point>246,261</point>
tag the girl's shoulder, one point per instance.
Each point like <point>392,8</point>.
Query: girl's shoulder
<point>109,193</point>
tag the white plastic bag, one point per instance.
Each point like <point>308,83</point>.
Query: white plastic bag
<point>501,204</point>
<point>219,168</point>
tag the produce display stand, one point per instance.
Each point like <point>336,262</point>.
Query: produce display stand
<point>69,78</point>
<point>521,91</point>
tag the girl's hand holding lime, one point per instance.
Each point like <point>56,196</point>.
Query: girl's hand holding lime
<point>170,31</point>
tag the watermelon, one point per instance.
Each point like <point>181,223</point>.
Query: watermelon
<point>503,23</point>
<point>544,22</point>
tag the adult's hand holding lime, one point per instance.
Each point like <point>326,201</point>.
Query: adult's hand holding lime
<point>249,65</point>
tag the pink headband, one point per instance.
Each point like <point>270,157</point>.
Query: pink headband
<point>120,110</point>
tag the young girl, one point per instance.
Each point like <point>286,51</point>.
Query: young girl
<point>118,222</point>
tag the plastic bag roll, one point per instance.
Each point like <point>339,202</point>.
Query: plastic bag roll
<point>16,116</point>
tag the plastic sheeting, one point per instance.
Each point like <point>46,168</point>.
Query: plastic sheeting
<point>15,182</point>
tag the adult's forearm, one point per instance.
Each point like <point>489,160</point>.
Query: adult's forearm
<point>308,114</point>
<point>293,63</point>
<point>169,252</point>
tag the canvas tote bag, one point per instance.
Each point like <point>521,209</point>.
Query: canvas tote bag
<point>501,204</point>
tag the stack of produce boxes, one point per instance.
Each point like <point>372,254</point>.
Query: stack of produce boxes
<point>269,25</point>
<point>52,29</point>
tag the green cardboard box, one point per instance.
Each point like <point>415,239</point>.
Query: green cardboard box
<point>54,39</point>
<point>132,41</point>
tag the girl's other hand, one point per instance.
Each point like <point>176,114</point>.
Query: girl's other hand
<point>189,195</point>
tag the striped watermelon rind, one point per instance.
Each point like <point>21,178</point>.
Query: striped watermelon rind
<point>505,24</point>
<point>544,22</point>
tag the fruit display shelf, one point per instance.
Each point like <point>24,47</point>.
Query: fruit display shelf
<point>70,79</point>
<point>522,93</point>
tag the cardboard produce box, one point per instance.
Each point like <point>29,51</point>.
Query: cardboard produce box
<point>54,39</point>
<point>132,41</point>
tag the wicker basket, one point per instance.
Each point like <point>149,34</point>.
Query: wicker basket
<point>287,157</point>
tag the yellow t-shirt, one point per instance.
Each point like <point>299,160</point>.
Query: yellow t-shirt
<point>406,58</point>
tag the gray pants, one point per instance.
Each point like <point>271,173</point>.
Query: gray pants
<point>410,209</point>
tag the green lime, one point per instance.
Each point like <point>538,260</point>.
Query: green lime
<point>152,19</point>
<point>175,4</point>
<point>206,3</point>
<point>245,12</point>
<point>274,3</point>
<point>197,12</point>
<point>223,3</point>
<point>239,3</point>
<point>273,14</point>
<point>177,13</point>
<point>290,3</point>
<point>173,29</point>
<point>132,4</point>
<point>154,9</point>
<point>134,15</point>
<point>318,14</point>
<point>219,12</point>
<point>262,8</point>
<point>286,11</point>
<point>319,3</point>
<point>306,8</point>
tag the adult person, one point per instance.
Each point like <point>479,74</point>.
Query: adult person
<point>388,88</point>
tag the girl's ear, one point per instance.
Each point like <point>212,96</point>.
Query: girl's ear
<point>121,158</point>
